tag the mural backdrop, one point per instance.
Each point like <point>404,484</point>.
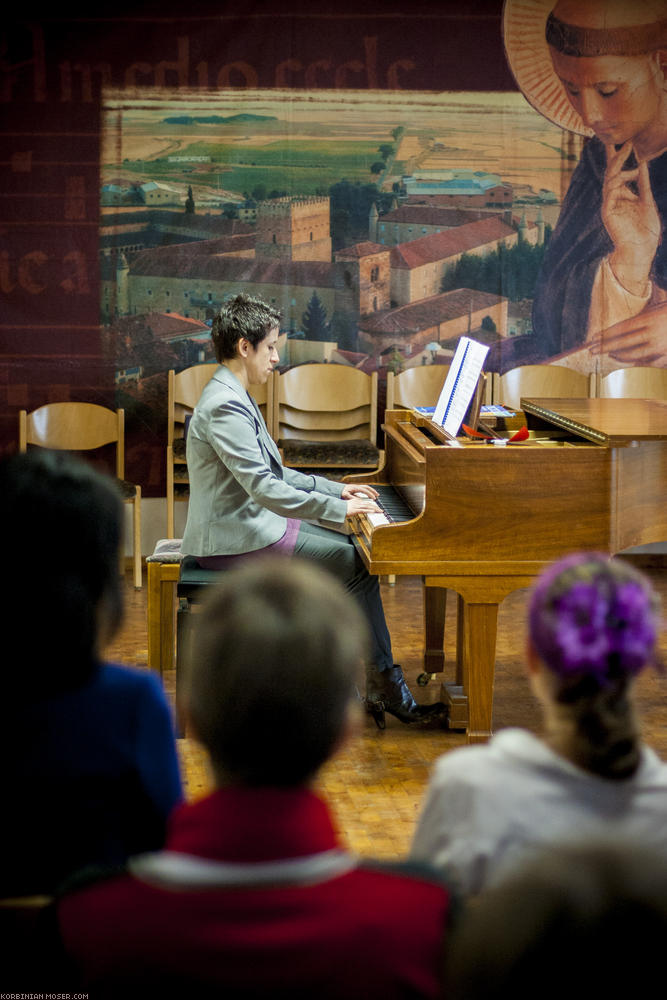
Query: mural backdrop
<point>391,180</point>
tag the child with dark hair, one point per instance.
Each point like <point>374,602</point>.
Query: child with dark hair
<point>592,629</point>
<point>92,772</point>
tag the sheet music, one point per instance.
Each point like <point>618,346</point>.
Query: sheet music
<point>460,385</point>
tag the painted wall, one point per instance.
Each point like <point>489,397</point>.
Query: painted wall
<point>72,86</point>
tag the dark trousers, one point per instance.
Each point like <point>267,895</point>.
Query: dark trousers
<point>336,552</point>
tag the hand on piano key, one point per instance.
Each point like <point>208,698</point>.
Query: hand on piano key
<point>358,490</point>
<point>360,503</point>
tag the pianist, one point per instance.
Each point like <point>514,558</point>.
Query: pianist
<point>244,502</point>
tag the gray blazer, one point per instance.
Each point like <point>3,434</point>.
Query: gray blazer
<point>240,493</point>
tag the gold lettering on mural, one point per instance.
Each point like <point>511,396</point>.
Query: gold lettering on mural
<point>83,82</point>
<point>282,69</point>
<point>393,80</point>
<point>76,274</point>
<point>29,277</point>
<point>26,277</point>
<point>85,73</point>
<point>311,77</point>
<point>181,67</point>
<point>6,283</point>
<point>225,78</point>
<point>75,198</point>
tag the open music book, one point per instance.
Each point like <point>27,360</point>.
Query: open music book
<point>461,385</point>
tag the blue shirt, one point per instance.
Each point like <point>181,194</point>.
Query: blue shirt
<point>91,777</point>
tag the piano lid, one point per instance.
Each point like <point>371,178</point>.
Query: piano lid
<point>604,421</point>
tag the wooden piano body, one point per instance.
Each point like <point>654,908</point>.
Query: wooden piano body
<point>592,475</point>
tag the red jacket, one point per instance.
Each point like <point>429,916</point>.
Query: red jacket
<point>283,908</point>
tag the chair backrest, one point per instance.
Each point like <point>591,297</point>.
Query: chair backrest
<point>325,402</point>
<point>635,383</point>
<point>74,427</point>
<point>183,391</point>
<point>185,387</point>
<point>549,381</point>
<point>418,386</point>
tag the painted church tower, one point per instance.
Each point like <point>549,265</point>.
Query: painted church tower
<point>293,229</point>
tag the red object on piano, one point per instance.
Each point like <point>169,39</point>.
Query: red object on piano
<point>520,435</point>
<point>475,434</point>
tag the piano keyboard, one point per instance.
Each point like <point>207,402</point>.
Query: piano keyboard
<point>394,507</point>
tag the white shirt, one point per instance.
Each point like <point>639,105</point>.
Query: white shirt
<point>488,808</point>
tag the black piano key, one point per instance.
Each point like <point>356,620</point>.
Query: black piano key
<point>393,504</point>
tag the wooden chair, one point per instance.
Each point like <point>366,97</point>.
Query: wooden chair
<point>85,427</point>
<point>325,417</point>
<point>418,386</point>
<point>635,383</point>
<point>183,391</point>
<point>549,381</point>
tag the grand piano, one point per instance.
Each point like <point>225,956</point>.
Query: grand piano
<point>483,519</point>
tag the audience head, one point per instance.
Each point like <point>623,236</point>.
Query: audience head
<point>61,584</point>
<point>242,317</point>
<point>278,650</point>
<point>584,920</point>
<point>593,624</point>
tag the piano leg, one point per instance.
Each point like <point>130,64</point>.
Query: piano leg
<point>477,653</point>
<point>470,700</point>
<point>435,606</point>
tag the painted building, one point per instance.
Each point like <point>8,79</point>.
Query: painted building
<point>411,222</point>
<point>439,318</point>
<point>462,188</point>
<point>418,267</point>
<point>194,279</point>
<point>294,229</point>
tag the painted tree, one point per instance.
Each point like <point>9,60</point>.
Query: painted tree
<point>314,320</point>
<point>190,203</point>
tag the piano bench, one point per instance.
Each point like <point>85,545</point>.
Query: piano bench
<point>190,589</point>
<point>162,568</point>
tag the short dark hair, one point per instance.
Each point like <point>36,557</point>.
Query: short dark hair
<point>242,317</point>
<point>63,528</point>
<point>277,655</point>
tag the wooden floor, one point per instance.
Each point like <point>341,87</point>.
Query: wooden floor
<point>375,785</point>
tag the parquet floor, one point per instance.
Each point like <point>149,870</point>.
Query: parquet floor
<point>375,784</point>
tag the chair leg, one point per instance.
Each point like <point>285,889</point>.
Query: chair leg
<point>137,539</point>
<point>183,638</point>
<point>170,493</point>
<point>153,607</point>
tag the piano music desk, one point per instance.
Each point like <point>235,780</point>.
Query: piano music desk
<point>487,519</point>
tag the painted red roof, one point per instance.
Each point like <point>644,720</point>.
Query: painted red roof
<point>366,249</point>
<point>434,215</point>
<point>204,260</point>
<point>440,246</point>
<point>426,313</point>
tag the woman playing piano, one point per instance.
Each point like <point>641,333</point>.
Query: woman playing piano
<point>244,502</point>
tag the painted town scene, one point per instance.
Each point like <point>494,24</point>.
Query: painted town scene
<point>383,226</point>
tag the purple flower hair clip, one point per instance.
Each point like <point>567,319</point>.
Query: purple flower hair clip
<point>593,615</point>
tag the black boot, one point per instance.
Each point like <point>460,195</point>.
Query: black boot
<point>387,691</point>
